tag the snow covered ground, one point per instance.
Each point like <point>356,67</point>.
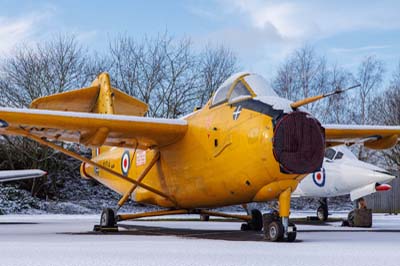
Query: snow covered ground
<point>67,240</point>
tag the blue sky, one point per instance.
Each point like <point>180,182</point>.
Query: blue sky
<point>261,33</point>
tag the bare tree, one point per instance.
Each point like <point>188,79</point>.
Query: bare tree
<point>216,64</point>
<point>302,75</point>
<point>167,74</point>
<point>385,110</point>
<point>46,68</point>
<point>370,76</point>
<point>337,109</point>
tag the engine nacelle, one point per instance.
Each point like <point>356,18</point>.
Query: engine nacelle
<point>84,174</point>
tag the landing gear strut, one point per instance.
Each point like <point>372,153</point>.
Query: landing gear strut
<point>277,226</point>
<point>256,222</point>
<point>322,211</point>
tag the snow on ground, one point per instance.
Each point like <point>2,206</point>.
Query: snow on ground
<point>47,240</point>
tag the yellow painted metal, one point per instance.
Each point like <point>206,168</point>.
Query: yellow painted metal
<point>383,143</point>
<point>208,160</point>
<point>124,217</point>
<point>104,103</point>
<point>90,162</point>
<point>284,203</point>
<point>306,101</point>
<point>139,179</point>
<point>226,215</point>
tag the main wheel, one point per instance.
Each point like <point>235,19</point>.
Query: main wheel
<point>274,231</point>
<point>107,218</point>
<point>256,222</point>
<point>322,213</point>
<point>292,234</point>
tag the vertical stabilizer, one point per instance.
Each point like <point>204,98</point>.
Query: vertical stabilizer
<point>104,103</point>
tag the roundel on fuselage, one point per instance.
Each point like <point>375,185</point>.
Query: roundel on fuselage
<point>319,177</point>
<point>125,162</point>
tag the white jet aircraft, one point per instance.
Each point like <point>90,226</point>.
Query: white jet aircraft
<point>13,175</point>
<point>342,174</point>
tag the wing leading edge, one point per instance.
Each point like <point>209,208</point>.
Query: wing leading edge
<point>92,129</point>
<point>375,137</point>
<point>13,175</point>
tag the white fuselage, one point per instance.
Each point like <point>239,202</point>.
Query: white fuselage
<point>342,176</point>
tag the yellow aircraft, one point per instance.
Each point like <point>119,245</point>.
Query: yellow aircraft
<point>245,145</point>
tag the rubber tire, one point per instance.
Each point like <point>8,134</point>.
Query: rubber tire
<point>107,218</point>
<point>204,217</point>
<point>292,235</point>
<point>256,222</point>
<point>322,213</point>
<point>245,227</point>
<point>275,231</point>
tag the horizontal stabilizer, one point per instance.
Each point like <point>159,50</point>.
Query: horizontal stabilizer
<point>92,100</point>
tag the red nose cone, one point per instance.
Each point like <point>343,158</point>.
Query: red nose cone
<point>383,187</point>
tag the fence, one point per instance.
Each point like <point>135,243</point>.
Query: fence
<point>387,201</point>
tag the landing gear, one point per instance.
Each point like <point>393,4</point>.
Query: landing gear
<point>107,218</point>
<point>277,226</point>
<point>256,222</point>
<point>107,221</point>
<point>275,231</point>
<point>322,211</point>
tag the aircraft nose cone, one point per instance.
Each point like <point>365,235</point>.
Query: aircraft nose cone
<point>383,176</point>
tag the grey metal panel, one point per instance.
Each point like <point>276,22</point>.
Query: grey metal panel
<point>387,201</point>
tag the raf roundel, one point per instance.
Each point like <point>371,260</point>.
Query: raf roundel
<point>125,162</point>
<point>319,177</point>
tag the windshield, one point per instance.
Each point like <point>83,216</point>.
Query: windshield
<point>259,85</point>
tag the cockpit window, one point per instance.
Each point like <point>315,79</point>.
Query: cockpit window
<point>339,155</point>
<point>221,94</point>
<point>330,153</point>
<point>239,91</point>
<point>259,85</point>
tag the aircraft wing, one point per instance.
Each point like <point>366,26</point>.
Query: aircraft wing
<point>375,137</point>
<point>92,129</point>
<point>12,175</point>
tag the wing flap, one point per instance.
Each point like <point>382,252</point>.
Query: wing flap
<point>93,129</point>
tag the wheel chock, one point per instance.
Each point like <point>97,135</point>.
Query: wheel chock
<point>99,228</point>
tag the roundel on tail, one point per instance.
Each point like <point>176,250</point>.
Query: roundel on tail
<point>125,162</point>
<point>319,177</point>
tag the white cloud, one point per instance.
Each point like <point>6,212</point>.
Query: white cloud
<point>309,19</point>
<point>263,33</point>
<point>23,29</point>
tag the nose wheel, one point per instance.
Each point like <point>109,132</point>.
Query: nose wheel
<point>274,229</point>
<point>322,211</point>
<point>276,225</point>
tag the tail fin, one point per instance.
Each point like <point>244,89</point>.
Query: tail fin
<point>100,97</point>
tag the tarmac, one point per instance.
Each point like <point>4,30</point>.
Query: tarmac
<point>183,240</point>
